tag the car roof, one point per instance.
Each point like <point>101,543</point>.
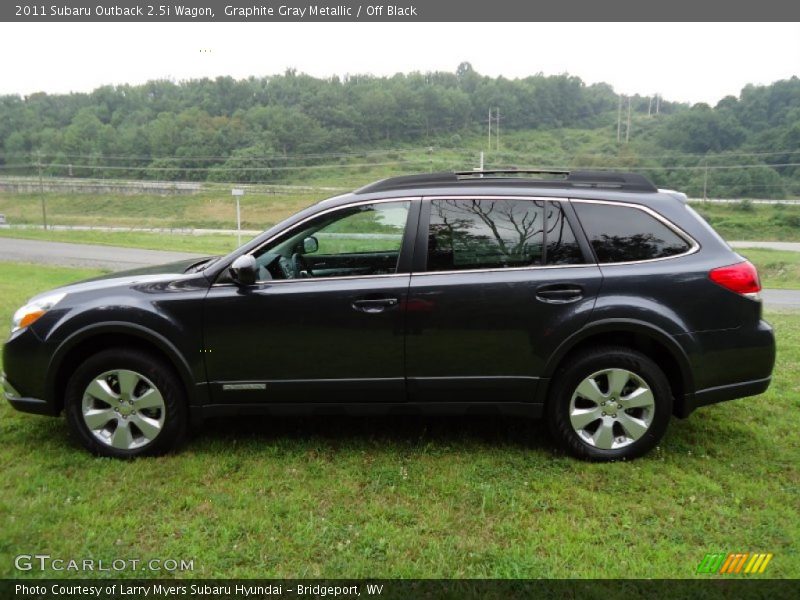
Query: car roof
<point>618,180</point>
<point>611,186</point>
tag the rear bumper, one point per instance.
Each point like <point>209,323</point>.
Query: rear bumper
<point>730,364</point>
<point>731,391</point>
<point>23,404</point>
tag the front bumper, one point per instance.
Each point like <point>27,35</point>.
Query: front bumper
<point>19,402</point>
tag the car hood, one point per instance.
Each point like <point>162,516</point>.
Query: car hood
<point>158,273</point>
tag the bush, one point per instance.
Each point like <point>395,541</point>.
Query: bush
<point>791,220</point>
<point>745,205</point>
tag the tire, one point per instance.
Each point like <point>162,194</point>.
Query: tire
<point>609,403</point>
<point>126,403</point>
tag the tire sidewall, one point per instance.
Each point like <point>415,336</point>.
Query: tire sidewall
<point>588,363</point>
<point>163,377</point>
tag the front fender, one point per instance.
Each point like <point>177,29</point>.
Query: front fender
<point>121,328</point>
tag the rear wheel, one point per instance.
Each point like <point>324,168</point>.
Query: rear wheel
<point>609,403</point>
<point>125,403</point>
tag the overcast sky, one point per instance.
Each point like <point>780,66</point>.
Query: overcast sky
<point>683,62</point>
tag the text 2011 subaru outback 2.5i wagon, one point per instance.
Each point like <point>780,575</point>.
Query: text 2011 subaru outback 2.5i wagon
<point>593,299</point>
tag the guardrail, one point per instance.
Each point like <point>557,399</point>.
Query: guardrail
<point>31,185</point>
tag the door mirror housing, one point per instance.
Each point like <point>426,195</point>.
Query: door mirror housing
<point>243,270</point>
<point>310,245</point>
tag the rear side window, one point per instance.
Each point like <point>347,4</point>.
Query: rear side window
<point>497,234</point>
<point>623,233</point>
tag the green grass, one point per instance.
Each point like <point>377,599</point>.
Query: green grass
<point>211,244</point>
<point>214,210</point>
<point>777,268</point>
<point>409,497</point>
<point>747,221</point>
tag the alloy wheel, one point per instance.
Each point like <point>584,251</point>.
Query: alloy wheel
<point>123,409</point>
<point>612,408</point>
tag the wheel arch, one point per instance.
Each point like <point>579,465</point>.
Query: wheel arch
<point>643,337</point>
<point>96,338</point>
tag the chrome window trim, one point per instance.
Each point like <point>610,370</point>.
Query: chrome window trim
<point>318,279</point>
<point>504,269</point>
<point>694,245</point>
<point>495,197</point>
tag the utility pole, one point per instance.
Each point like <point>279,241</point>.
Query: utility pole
<point>498,128</point>
<point>649,105</point>
<point>619,118</point>
<point>628,128</point>
<point>41,190</point>
<point>658,102</point>
<point>705,182</point>
<point>490,129</point>
<point>238,193</point>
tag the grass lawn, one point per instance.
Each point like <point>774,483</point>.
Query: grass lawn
<point>214,210</point>
<point>777,268</point>
<point>747,221</point>
<point>409,497</point>
<point>212,244</point>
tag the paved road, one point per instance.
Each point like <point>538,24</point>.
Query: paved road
<point>791,246</point>
<point>83,255</point>
<point>116,258</point>
<point>781,298</point>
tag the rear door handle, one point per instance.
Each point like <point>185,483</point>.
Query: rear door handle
<point>374,306</point>
<point>559,293</point>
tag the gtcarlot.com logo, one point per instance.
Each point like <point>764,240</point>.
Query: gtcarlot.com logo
<point>45,562</point>
<point>748,563</point>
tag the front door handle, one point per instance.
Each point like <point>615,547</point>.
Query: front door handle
<point>375,305</point>
<point>559,293</point>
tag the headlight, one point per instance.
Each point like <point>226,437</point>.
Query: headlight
<point>32,311</point>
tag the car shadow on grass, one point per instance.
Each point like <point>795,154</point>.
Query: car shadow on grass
<point>362,431</point>
<point>704,433</point>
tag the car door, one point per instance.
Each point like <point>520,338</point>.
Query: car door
<point>324,322</point>
<point>498,284</point>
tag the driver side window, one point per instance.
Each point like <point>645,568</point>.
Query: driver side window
<point>353,241</point>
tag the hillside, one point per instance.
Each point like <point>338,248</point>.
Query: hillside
<point>293,128</point>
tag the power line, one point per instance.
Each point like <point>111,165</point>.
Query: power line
<point>380,164</point>
<point>425,149</point>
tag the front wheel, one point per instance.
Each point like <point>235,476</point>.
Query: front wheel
<point>609,403</point>
<point>125,403</point>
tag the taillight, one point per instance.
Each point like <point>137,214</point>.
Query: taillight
<point>741,278</point>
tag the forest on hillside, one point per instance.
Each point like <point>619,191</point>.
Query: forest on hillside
<point>267,129</point>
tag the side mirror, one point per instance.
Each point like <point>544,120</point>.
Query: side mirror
<point>243,270</point>
<point>310,245</point>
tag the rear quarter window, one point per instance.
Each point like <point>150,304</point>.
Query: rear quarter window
<point>624,233</point>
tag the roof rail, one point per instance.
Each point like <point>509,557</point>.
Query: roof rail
<point>478,173</point>
<point>614,180</point>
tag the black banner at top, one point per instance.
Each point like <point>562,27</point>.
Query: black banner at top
<point>399,11</point>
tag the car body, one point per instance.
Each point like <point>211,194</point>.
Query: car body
<point>432,293</point>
